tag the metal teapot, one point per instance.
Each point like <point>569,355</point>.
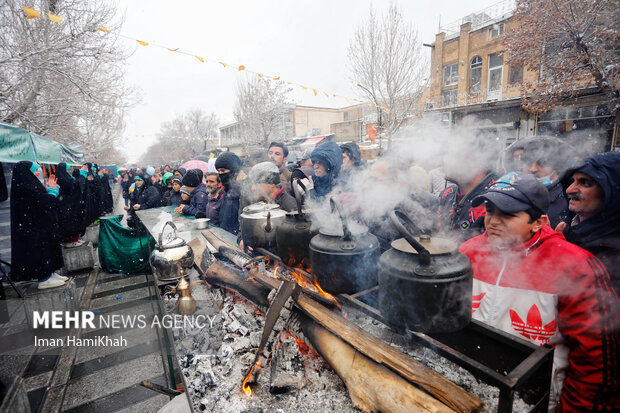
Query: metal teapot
<point>425,284</point>
<point>258,224</point>
<point>167,257</point>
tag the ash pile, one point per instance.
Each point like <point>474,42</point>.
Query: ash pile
<point>215,360</point>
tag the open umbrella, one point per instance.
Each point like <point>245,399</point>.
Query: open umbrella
<point>196,164</point>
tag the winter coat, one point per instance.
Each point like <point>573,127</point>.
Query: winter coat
<point>548,290</point>
<point>213,208</point>
<point>71,209</point>
<point>197,201</point>
<point>174,198</point>
<point>35,241</point>
<point>600,234</point>
<point>456,213</point>
<point>330,155</point>
<point>229,210</point>
<point>285,200</point>
<point>147,196</point>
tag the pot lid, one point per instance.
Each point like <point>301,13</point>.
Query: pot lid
<point>260,210</point>
<point>434,245</point>
<point>173,243</point>
<point>336,230</point>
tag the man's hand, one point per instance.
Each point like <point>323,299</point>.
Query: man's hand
<point>126,208</point>
<point>560,227</point>
<point>136,207</point>
<point>179,209</point>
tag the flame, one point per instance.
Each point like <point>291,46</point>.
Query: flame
<point>346,315</point>
<point>275,272</point>
<point>245,386</point>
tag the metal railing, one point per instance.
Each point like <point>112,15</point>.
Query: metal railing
<point>507,92</point>
<point>498,11</point>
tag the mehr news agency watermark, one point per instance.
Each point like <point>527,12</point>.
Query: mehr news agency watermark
<point>90,320</point>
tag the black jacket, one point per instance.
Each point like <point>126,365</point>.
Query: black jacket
<point>71,208</point>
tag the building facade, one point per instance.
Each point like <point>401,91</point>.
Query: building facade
<point>472,87</point>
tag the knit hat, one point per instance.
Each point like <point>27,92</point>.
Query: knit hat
<point>185,191</point>
<point>265,173</point>
<point>228,160</point>
<point>176,179</point>
<point>192,178</point>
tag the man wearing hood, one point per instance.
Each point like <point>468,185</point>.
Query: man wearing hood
<point>594,196</point>
<point>351,163</point>
<point>198,195</point>
<point>228,166</point>
<point>531,283</point>
<point>327,161</point>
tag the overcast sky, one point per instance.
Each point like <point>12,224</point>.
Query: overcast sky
<point>304,41</point>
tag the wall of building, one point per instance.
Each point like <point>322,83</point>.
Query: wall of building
<point>349,131</point>
<point>311,121</point>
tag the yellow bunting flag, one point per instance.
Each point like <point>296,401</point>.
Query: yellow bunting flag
<point>290,83</point>
<point>142,43</point>
<point>260,74</point>
<point>305,87</point>
<point>200,58</point>
<point>173,50</point>
<point>325,93</point>
<point>223,64</point>
<point>54,18</point>
<point>315,92</point>
<point>32,13</point>
<point>241,68</point>
<point>103,30</point>
<point>276,78</point>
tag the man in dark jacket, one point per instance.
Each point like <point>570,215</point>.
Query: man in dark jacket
<point>327,161</point>
<point>593,194</point>
<point>277,154</point>
<point>215,192</point>
<point>351,164</point>
<point>198,195</point>
<point>228,166</point>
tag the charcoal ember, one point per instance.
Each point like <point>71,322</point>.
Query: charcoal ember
<point>207,376</point>
<point>247,359</point>
<point>255,338</point>
<point>241,345</point>
<point>253,410</point>
<point>225,353</point>
<point>244,317</point>
<point>203,405</point>
<point>226,369</point>
<point>284,383</point>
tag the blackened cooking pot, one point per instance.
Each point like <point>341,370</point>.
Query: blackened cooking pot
<point>425,284</point>
<point>344,261</point>
<point>293,236</point>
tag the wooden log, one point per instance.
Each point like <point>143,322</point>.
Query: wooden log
<point>371,386</point>
<point>446,391</point>
<point>449,393</point>
<point>226,276</point>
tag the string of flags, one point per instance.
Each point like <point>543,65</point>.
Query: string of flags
<point>33,14</point>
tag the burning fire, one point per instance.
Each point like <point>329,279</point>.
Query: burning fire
<point>245,386</point>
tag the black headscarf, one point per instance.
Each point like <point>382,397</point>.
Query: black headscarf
<point>35,242</point>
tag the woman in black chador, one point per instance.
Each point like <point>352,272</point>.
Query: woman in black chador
<point>35,243</point>
<point>71,208</point>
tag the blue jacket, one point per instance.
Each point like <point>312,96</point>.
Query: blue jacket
<point>197,202</point>
<point>229,210</point>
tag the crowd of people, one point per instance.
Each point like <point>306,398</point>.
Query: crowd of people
<point>50,212</point>
<point>542,230</point>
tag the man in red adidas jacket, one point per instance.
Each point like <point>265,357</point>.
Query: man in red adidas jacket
<point>530,282</point>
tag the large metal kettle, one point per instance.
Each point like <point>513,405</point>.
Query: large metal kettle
<point>425,284</point>
<point>293,236</point>
<point>344,260</point>
<point>168,256</point>
<point>258,224</point>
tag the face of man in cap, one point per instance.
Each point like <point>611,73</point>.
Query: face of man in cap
<point>585,196</point>
<point>276,155</point>
<point>510,229</point>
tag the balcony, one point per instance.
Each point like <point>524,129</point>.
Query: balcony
<point>508,92</point>
<point>496,12</point>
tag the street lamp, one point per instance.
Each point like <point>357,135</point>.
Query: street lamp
<point>380,126</point>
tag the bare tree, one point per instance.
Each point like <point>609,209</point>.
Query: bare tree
<point>63,80</point>
<point>184,137</point>
<point>263,109</point>
<point>572,44</point>
<point>387,64</point>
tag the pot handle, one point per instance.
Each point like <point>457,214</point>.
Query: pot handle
<point>398,218</point>
<point>160,245</point>
<point>345,228</point>
<point>296,185</point>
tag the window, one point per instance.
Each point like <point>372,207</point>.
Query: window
<point>475,81</point>
<point>515,75</point>
<point>496,30</point>
<point>496,65</point>
<point>451,74</point>
<point>345,116</point>
<point>449,97</point>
